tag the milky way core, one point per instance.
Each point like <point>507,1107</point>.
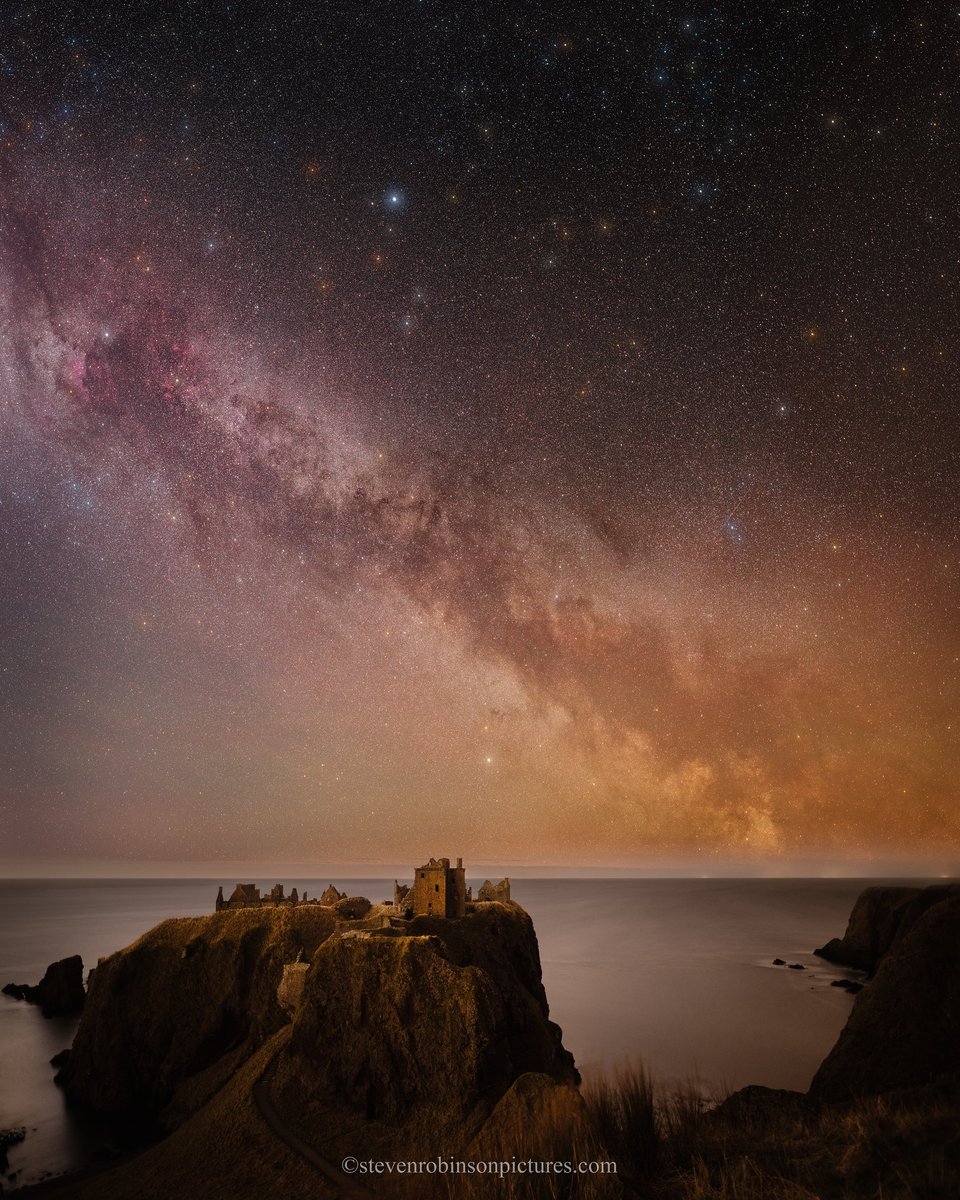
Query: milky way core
<point>534,439</point>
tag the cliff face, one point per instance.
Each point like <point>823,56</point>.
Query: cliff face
<point>428,1028</point>
<point>880,917</point>
<point>904,1030</point>
<point>409,1034</point>
<point>179,999</point>
<point>500,940</point>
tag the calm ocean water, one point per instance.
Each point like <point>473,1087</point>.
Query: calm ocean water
<point>673,972</point>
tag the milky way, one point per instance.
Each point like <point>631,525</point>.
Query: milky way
<point>426,432</point>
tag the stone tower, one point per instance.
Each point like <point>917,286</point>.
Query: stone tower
<point>439,890</point>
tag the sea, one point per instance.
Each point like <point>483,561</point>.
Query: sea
<point>676,975</point>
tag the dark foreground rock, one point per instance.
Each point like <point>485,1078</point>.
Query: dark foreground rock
<point>904,1029</point>
<point>880,917</point>
<point>60,993</point>
<point>755,1102</point>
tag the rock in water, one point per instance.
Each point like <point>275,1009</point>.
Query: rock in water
<point>848,985</point>
<point>59,993</point>
<point>904,1030</point>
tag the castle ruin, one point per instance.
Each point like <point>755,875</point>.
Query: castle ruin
<point>438,890</point>
<point>494,891</point>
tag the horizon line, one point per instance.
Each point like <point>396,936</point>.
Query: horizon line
<point>179,869</point>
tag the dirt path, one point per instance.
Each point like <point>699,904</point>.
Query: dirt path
<point>261,1097</point>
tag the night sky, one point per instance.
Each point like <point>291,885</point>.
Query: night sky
<point>520,431</point>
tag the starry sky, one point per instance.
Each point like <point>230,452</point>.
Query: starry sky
<point>520,431</point>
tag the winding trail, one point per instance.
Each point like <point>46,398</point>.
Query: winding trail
<point>261,1097</point>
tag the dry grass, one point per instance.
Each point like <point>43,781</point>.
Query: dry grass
<point>771,1146</point>
<point>627,1121</point>
<point>894,1147</point>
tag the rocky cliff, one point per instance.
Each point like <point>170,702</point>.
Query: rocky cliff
<point>405,1030</point>
<point>191,993</point>
<point>420,1031</point>
<point>904,1030</point>
<point>880,918</point>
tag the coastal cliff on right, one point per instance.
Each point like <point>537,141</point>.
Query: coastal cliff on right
<point>881,1120</point>
<point>904,1029</point>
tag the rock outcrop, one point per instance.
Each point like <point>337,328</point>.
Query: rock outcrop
<point>191,992</point>
<point>904,1029</point>
<point>352,908</point>
<point>59,993</point>
<point>418,1032</point>
<point>539,1117</point>
<point>880,917</point>
<point>412,1032</point>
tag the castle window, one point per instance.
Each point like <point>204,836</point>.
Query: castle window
<point>436,887</point>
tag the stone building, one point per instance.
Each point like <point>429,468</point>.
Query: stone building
<point>494,891</point>
<point>244,895</point>
<point>247,895</point>
<point>439,890</point>
<point>331,895</point>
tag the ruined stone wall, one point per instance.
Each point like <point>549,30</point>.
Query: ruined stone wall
<point>456,892</point>
<point>291,985</point>
<point>494,891</point>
